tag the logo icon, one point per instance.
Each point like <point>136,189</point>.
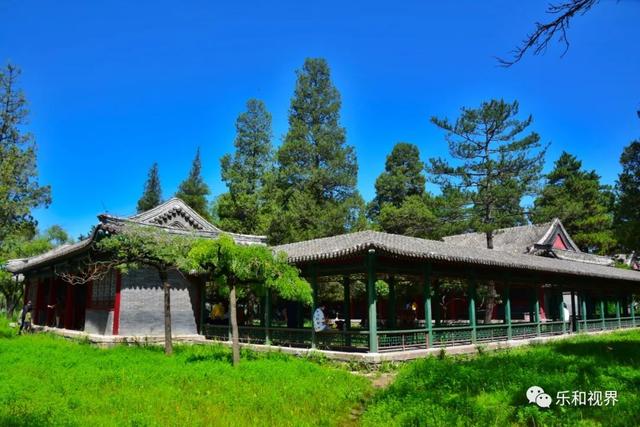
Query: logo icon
<point>537,395</point>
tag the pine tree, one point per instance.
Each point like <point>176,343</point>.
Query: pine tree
<point>242,209</point>
<point>627,209</point>
<point>496,166</point>
<point>152,195</point>
<point>317,171</point>
<point>577,198</point>
<point>19,188</point>
<point>193,190</point>
<point>403,177</point>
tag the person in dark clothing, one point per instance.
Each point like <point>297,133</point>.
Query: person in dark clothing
<point>23,314</point>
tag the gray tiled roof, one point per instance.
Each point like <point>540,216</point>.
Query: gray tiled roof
<point>174,216</point>
<point>411,247</point>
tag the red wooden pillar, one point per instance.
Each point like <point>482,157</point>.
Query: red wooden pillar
<point>68,312</point>
<point>116,305</point>
<point>543,311</point>
<point>51,312</point>
<point>26,292</point>
<point>38,301</point>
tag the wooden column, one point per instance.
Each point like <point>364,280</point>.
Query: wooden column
<point>632,311</point>
<point>574,324</point>
<point>618,311</point>
<point>68,308</point>
<point>507,310</point>
<point>427,304</point>
<point>314,306</point>
<point>471,291</point>
<point>392,302</point>
<point>346,282</point>
<point>584,312</point>
<point>602,316</point>
<point>561,307</point>
<point>267,316</point>
<point>116,304</point>
<point>536,309</point>
<point>437,312</point>
<point>371,297</point>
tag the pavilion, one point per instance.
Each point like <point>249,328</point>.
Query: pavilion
<point>388,292</point>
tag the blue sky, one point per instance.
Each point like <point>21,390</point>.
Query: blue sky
<point>115,85</point>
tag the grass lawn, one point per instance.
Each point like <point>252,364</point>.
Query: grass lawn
<point>47,380</point>
<point>490,389</point>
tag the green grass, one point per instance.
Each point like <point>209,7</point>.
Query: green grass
<point>47,380</point>
<point>490,389</point>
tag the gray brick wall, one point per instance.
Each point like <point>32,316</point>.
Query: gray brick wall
<point>142,302</point>
<point>98,322</point>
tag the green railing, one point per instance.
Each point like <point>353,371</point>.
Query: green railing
<point>407,339</point>
<point>524,330</point>
<point>389,340</point>
<point>454,335</point>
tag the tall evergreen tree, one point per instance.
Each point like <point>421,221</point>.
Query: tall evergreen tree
<point>403,176</point>
<point>627,209</point>
<point>193,190</point>
<point>577,198</point>
<point>317,169</point>
<point>152,195</point>
<point>246,172</point>
<point>19,188</point>
<point>496,165</point>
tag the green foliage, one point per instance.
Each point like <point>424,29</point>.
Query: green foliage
<point>249,265</point>
<point>19,188</point>
<point>489,389</point>
<point>414,217</point>
<point>194,191</point>
<point>244,207</point>
<point>315,193</point>
<point>495,166</point>
<point>46,381</point>
<point>403,177</point>
<point>577,198</point>
<point>152,195</point>
<point>627,208</point>
<point>134,246</point>
<point>382,289</point>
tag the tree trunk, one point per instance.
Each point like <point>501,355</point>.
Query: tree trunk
<point>233,318</point>
<point>168,343</point>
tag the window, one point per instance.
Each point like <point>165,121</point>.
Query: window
<point>103,291</point>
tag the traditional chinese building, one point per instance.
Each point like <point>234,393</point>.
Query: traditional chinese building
<point>534,269</point>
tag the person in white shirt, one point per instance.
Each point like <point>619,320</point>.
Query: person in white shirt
<point>319,321</point>
<point>565,312</point>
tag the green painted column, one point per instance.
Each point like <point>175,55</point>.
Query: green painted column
<point>507,310</point>
<point>346,282</point>
<point>314,288</point>
<point>602,317</point>
<point>427,303</point>
<point>561,309</point>
<point>392,303</point>
<point>472,308</point>
<point>437,311</point>
<point>583,305</point>
<point>371,297</point>
<point>618,312</point>
<point>536,309</point>
<point>267,316</point>
<point>632,311</point>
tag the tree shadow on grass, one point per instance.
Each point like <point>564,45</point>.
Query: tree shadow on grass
<point>614,350</point>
